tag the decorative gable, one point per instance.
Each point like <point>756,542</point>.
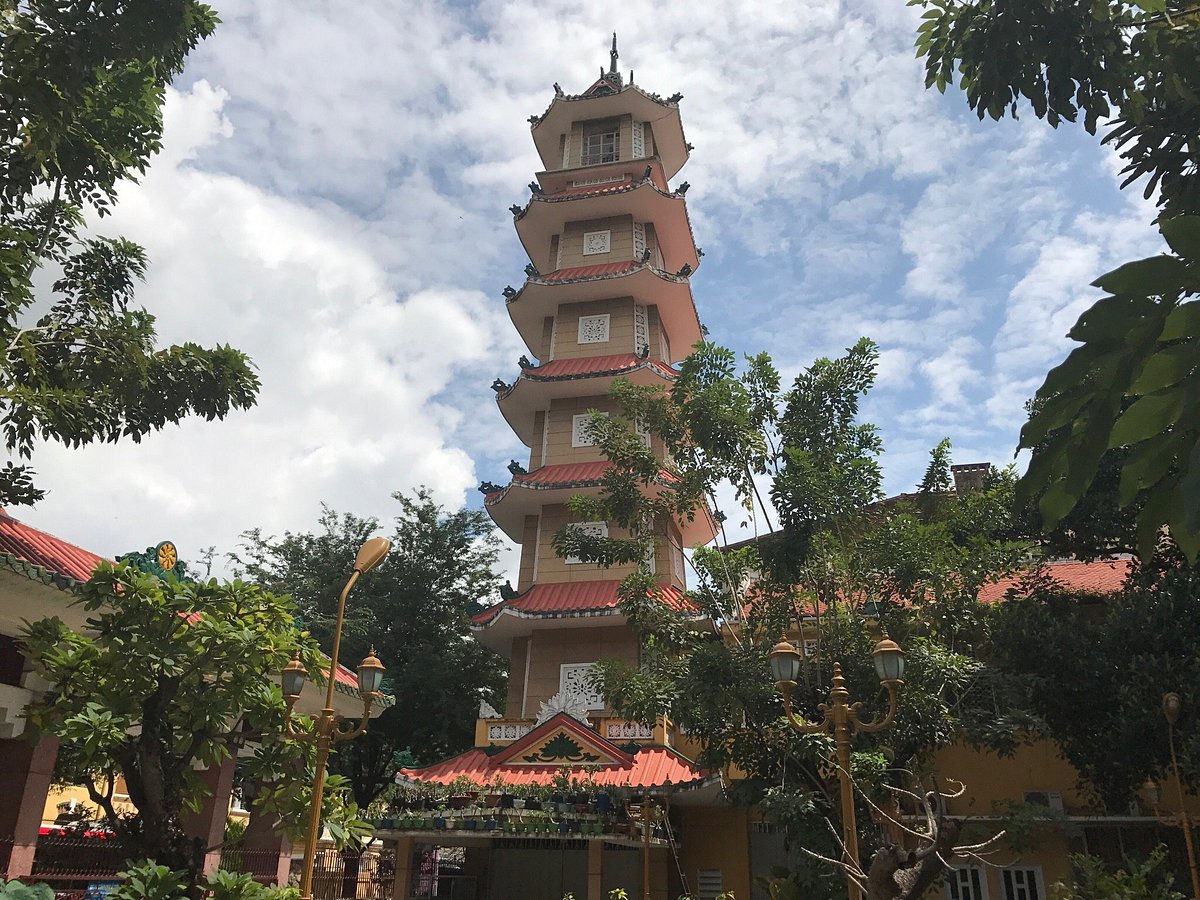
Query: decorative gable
<point>562,741</point>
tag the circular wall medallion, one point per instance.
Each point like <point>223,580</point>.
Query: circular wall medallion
<point>167,555</point>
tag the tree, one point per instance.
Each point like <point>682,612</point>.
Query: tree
<point>841,559</point>
<point>413,611</point>
<point>81,94</point>
<point>1122,652</point>
<point>1131,386</point>
<point>167,677</point>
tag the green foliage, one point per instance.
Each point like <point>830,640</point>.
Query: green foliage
<point>222,885</point>
<point>1134,63</point>
<point>1140,880</point>
<point>81,94</point>
<point>148,880</point>
<point>413,609</point>
<point>1095,675</point>
<point>18,890</point>
<point>1133,385</point>
<point>841,560</point>
<point>162,682</point>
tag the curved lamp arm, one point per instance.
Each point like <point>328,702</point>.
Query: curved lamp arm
<point>800,724</point>
<point>877,724</point>
<point>351,733</point>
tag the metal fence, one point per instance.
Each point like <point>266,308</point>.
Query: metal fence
<point>79,866</point>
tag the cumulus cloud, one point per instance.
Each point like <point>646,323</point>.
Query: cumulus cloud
<point>332,199</point>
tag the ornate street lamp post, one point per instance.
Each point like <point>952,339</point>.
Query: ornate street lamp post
<point>841,719</point>
<point>327,727</point>
<point>1171,704</point>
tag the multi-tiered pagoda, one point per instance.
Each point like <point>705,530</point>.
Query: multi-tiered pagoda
<point>607,296</point>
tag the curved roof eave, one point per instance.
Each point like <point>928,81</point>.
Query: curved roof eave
<point>544,216</point>
<point>647,284</point>
<point>566,109</point>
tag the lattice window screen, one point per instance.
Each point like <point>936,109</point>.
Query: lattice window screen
<point>595,529</point>
<point>1021,884</point>
<point>593,329</point>
<point>639,240</point>
<point>641,328</point>
<point>574,677</point>
<point>581,431</point>
<point>966,883</point>
<point>639,140</point>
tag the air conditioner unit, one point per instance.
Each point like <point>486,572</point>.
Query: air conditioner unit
<point>1049,799</point>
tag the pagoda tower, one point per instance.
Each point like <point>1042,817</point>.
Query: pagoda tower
<point>607,295</point>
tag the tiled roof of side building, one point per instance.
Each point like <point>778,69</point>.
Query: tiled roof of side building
<point>1102,576</point>
<point>73,565</point>
<point>568,597</point>
<point>652,767</point>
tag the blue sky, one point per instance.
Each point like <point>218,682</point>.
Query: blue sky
<point>333,193</point>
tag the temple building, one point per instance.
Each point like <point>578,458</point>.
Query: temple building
<point>607,295</point>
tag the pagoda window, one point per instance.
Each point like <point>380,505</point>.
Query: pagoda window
<point>591,529</point>
<point>601,143</point>
<point>593,329</point>
<point>639,240</point>
<point>596,242</point>
<point>639,140</point>
<point>581,430</point>
<point>677,560</point>
<point>576,678</point>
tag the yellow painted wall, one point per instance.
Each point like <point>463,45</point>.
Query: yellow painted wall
<point>716,838</point>
<point>555,648</point>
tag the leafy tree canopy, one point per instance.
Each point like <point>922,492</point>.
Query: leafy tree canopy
<point>169,677</point>
<point>414,610</point>
<point>841,561</point>
<point>1125,404</point>
<point>81,94</point>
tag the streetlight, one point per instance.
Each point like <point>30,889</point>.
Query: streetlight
<point>326,727</point>
<point>1171,704</point>
<point>841,719</point>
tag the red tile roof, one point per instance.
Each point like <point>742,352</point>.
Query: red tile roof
<point>571,597</point>
<point>62,558</point>
<point>593,365</point>
<point>587,190</point>
<point>651,767</point>
<point>1098,577</point>
<point>578,272</point>
<point>45,550</point>
<point>566,473</point>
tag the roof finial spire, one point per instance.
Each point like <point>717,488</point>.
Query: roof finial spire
<point>612,55</point>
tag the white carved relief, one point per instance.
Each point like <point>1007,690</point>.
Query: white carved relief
<point>593,329</point>
<point>487,711</point>
<point>639,240</point>
<point>592,529</point>
<point>570,702</point>
<point>628,731</point>
<point>639,140</point>
<point>641,328</point>
<point>581,430</point>
<point>574,678</point>
<point>596,242</point>
<point>509,731</point>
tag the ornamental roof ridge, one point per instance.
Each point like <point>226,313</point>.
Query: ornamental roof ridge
<point>668,102</point>
<point>616,187</point>
<point>630,363</point>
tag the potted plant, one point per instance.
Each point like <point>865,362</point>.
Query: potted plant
<point>462,792</point>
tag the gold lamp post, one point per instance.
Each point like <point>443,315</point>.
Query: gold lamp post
<point>327,727</point>
<point>1171,704</point>
<point>841,719</point>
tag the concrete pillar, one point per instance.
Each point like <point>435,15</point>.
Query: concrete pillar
<point>267,854</point>
<point>402,882</point>
<point>208,824</point>
<point>26,771</point>
<point>595,882</point>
